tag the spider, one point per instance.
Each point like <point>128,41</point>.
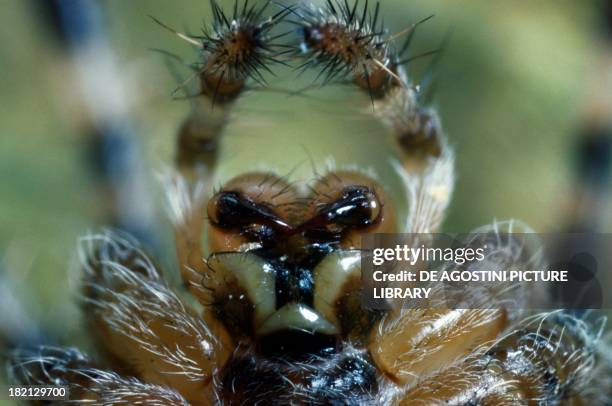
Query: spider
<point>274,262</point>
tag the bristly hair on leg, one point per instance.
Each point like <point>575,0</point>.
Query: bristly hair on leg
<point>238,47</point>
<point>88,384</point>
<point>235,48</point>
<point>429,194</point>
<point>348,42</point>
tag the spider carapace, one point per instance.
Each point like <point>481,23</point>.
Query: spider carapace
<point>273,258</point>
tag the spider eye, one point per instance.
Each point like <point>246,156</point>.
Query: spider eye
<point>357,207</point>
<point>229,210</point>
<point>233,210</point>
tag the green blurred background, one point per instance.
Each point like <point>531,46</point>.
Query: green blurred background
<point>510,91</point>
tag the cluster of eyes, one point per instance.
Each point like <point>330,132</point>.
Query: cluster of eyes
<point>354,207</point>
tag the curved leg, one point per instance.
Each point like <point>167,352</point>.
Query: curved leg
<point>412,344</point>
<point>143,325</point>
<point>547,359</point>
<point>86,383</point>
<point>187,206</point>
<point>349,43</point>
<point>418,343</point>
<point>232,56</point>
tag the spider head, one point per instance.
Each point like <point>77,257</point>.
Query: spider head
<point>285,260</point>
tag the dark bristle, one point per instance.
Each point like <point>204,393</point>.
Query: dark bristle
<point>427,85</point>
<point>341,46</point>
<point>374,19</point>
<point>219,15</point>
<point>262,9</point>
<point>172,56</point>
<point>348,43</point>
<point>236,47</point>
<point>369,84</point>
<point>353,12</point>
<point>235,12</point>
<point>216,92</point>
<point>364,14</point>
<point>408,40</point>
<point>413,58</point>
<point>331,8</point>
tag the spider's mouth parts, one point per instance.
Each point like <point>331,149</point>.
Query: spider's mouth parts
<point>297,331</point>
<point>297,346</point>
<point>296,317</point>
<point>288,308</point>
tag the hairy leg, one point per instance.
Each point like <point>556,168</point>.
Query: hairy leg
<point>238,49</point>
<point>546,359</point>
<point>410,344</point>
<point>86,383</point>
<point>348,43</point>
<point>234,51</point>
<point>143,325</point>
